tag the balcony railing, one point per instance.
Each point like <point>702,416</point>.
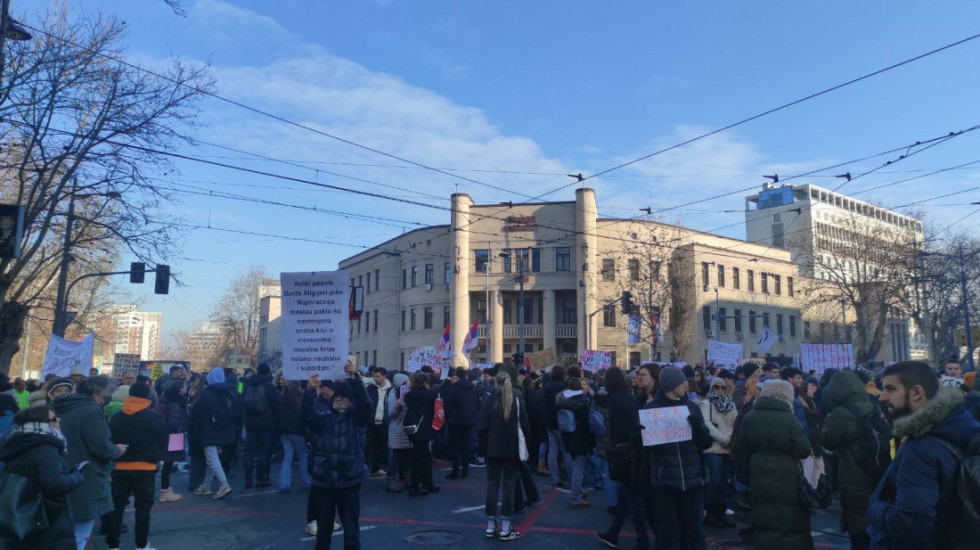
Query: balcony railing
<point>566,331</point>
<point>534,331</point>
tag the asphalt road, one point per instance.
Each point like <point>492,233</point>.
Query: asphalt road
<point>265,519</point>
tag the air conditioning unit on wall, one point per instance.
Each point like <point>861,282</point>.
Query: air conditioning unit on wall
<point>428,286</point>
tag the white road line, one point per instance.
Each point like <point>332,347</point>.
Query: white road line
<point>338,533</point>
<point>269,492</point>
<point>463,509</point>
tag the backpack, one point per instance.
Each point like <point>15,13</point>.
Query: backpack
<point>597,423</point>
<point>255,399</point>
<point>964,529</point>
<point>22,513</point>
<point>566,421</point>
<point>875,443</point>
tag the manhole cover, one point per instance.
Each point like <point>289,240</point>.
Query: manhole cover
<point>434,537</point>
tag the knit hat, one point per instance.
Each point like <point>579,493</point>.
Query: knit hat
<point>342,389</point>
<point>718,381</point>
<point>121,393</point>
<point>780,389</point>
<point>399,378</point>
<point>79,369</point>
<point>671,378</point>
<point>140,390</point>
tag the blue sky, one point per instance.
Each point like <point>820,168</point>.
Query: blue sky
<point>544,87</point>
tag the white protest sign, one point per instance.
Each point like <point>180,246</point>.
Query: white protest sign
<point>315,324</point>
<point>721,353</point>
<point>820,357</point>
<point>425,355</point>
<point>665,425</point>
<point>593,360</point>
<point>62,354</point>
<point>125,362</point>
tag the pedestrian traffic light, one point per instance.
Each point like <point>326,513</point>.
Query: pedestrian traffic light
<point>627,303</point>
<point>137,272</point>
<point>162,279</point>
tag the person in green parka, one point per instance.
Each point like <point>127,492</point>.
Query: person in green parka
<point>842,433</point>
<point>771,443</point>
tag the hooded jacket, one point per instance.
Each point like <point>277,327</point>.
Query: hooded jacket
<point>906,510</point>
<point>87,432</point>
<point>261,421</point>
<point>678,466</point>
<point>41,458</point>
<point>337,458</point>
<point>580,442</point>
<point>842,433</point>
<point>143,430</point>
<point>216,415</point>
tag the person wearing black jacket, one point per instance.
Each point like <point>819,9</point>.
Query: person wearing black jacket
<point>580,443</point>
<point>420,404</point>
<point>462,407</point>
<point>146,436</point>
<point>260,403</point>
<point>36,450</point>
<point>215,417</point>
<point>623,430</point>
<point>554,386</point>
<point>291,429</point>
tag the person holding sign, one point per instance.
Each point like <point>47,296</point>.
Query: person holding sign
<point>676,469</point>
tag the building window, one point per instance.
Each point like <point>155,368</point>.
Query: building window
<point>445,316</point>
<point>655,270</point>
<point>736,279</point>
<point>722,321</point>
<point>415,275</point>
<point>706,317</point>
<point>751,320</point>
<point>375,320</point>
<point>482,259</point>
<point>609,316</point>
<point>404,279</point>
<point>430,274</point>
<point>528,311</point>
<point>377,279</point>
<point>765,320</point>
<point>806,330</point>
<point>507,348</point>
<point>608,269</point>
<point>563,259</point>
<point>738,320</point>
<point>374,357</point>
<point>522,257</point>
<point>403,320</point>
<point>634,269</point>
<point>360,280</point>
<point>568,311</point>
<point>721,276</point>
<point>789,287</point>
<point>705,276</point>
<point>427,318</point>
<point>751,280</point>
<point>765,283</point>
<point>412,317</point>
<point>508,315</point>
<point>777,282</point>
<point>367,289</point>
<point>540,311</point>
<point>792,326</point>
<point>779,324</point>
<point>535,260</point>
<point>612,359</point>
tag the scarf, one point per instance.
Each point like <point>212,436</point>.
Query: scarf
<point>41,428</point>
<point>722,403</point>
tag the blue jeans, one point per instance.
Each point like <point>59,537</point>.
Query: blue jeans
<point>554,448</point>
<point>578,472</point>
<point>83,530</point>
<point>293,443</point>
<point>610,488</point>
<point>257,451</point>
<point>719,472</point>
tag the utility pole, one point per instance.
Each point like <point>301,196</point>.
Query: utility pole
<point>966,312</point>
<point>520,305</point>
<point>60,297</point>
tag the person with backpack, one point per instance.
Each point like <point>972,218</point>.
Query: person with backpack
<point>215,417</point>
<point>35,450</point>
<point>918,504</point>
<point>576,438</point>
<point>861,440</point>
<point>260,403</point>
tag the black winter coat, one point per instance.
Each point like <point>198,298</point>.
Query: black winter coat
<point>261,421</point>
<point>217,415</point>
<point>580,442</point>
<point>142,429</point>
<point>42,459</point>
<point>420,402</point>
<point>498,438</point>
<point>289,419</point>
<point>678,466</point>
<point>551,391</point>
<point>337,460</point>
<point>462,403</point>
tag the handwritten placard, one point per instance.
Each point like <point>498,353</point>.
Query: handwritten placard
<point>820,357</point>
<point>721,353</point>
<point>62,354</point>
<point>314,324</point>
<point>665,425</point>
<point>593,360</point>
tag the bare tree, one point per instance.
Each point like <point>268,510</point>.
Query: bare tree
<point>238,313</point>
<point>77,125</point>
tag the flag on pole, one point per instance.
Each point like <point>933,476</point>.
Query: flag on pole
<point>472,337</point>
<point>444,343</point>
<point>766,340</point>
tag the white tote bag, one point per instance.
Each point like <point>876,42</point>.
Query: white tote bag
<point>522,443</point>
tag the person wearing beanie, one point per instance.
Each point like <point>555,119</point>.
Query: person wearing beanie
<point>676,470</point>
<point>78,372</point>
<point>146,436</point>
<point>214,418</point>
<point>771,443</point>
<point>116,404</point>
<point>462,407</point>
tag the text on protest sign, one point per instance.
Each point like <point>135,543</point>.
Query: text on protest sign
<point>62,354</point>
<point>665,425</point>
<point>425,355</point>
<point>593,360</point>
<point>315,324</point>
<point>125,362</point>
<point>721,353</point>
<point>820,357</point>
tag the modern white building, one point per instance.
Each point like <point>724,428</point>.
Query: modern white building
<point>125,329</point>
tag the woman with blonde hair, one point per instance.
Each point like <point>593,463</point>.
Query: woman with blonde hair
<point>502,427</point>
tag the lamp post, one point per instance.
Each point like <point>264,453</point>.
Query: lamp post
<point>9,28</point>
<point>61,299</point>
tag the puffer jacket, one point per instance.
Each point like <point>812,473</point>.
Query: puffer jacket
<point>771,443</point>
<point>580,442</point>
<point>720,426</point>
<point>551,390</point>
<point>678,466</point>
<point>41,458</point>
<point>842,433</point>
<point>337,460</point>
<point>906,511</point>
<point>397,438</point>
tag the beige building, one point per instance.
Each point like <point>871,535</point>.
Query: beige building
<point>576,267</point>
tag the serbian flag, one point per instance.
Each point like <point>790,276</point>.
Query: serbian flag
<point>471,337</point>
<point>444,343</point>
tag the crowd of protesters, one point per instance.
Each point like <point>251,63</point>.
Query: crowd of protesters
<point>770,440</point>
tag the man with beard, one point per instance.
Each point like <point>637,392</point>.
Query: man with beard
<point>914,505</point>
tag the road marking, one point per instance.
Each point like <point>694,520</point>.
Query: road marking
<point>341,532</point>
<point>269,492</point>
<point>463,509</point>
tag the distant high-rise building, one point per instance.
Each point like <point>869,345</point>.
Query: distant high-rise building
<point>127,330</point>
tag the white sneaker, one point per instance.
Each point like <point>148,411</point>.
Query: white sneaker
<point>147,547</point>
<point>311,528</point>
<point>222,492</point>
<point>337,526</point>
<point>729,512</point>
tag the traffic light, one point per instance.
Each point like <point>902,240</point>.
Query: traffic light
<point>518,359</point>
<point>627,302</point>
<point>137,272</point>
<point>162,279</point>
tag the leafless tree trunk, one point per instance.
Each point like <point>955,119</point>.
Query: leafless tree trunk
<point>238,312</point>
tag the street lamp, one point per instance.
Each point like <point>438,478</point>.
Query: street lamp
<point>966,307</point>
<point>61,299</point>
<point>9,28</point>
<point>520,303</point>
